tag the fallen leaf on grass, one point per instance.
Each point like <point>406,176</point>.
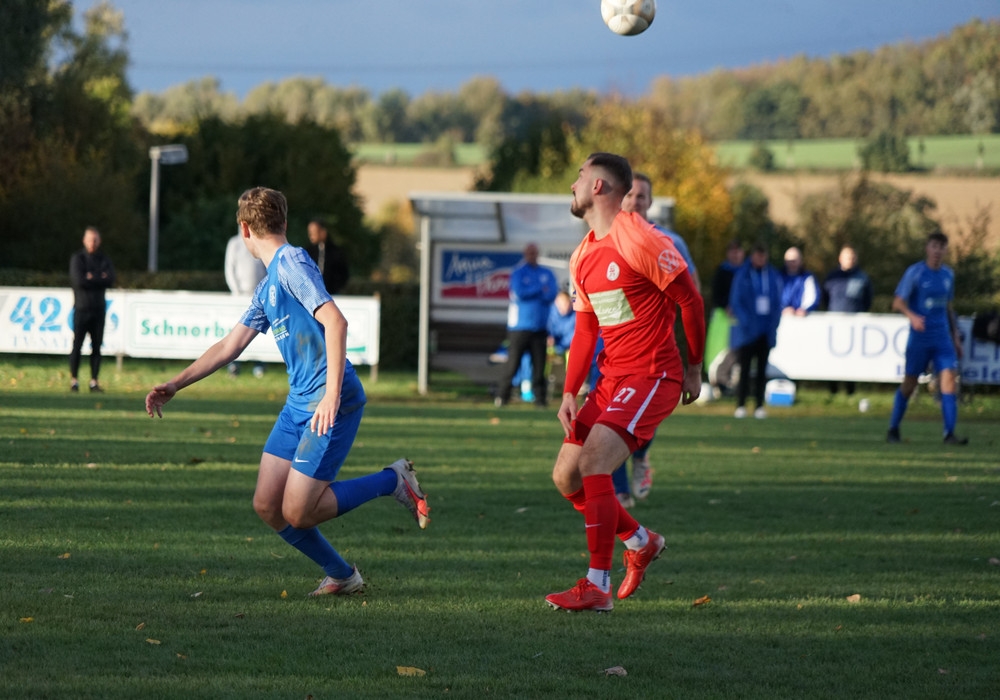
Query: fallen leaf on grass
<point>195,595</point>
<point>615,671</point>
<point>64,556</point>
<point>284,594</point>
<point>994,561</point>
<point>702,601</point>
<point>410,671</point>
<point>181,656</point>
<point>494,421</point>
<point>140,626</point>
<point>856,598</point>
<point>755,450</point>
<point>943,671</point>
<point>152,641</point>
<point>27,619</point>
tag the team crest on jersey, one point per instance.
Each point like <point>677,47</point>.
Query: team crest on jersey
<point>669,260</point>
<point>613,271</point>
<point>272,295</point>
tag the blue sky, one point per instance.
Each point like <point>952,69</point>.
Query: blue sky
<point>537,45</point>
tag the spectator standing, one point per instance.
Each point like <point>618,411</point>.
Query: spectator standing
<point>755,301</point>
<point>847,289</point>
<point>91,274</point>
<point>924,295</point>
<point>533,288</point>
<point>243,273</point>
<point>800,293</point>
<point>329,258</point>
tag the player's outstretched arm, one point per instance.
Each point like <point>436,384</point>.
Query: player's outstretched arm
<point>220,354</point>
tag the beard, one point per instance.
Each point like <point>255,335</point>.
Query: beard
<point>577,209</point>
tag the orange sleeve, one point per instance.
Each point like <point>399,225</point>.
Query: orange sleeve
<point>648,251</point>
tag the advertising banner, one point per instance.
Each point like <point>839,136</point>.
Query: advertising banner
<point>866,348</point>
<point>170,325</point>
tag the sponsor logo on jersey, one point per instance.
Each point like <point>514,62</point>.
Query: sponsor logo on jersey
<point>613,271</point>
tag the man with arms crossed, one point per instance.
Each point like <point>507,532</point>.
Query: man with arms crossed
<point>924,296</point>
<point>627,280</point>
<point>296,490</point>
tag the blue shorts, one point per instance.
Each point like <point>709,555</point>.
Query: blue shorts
<point>919,354</point>
<point>317,456</point>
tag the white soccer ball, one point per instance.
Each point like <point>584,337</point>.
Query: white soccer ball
<point>628,17</point>
<point>864,405</point>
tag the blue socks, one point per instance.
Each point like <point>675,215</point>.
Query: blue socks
<point>350,494</point>
<point>949,411</point>
<point>354,492</point>
<point>311,543</point>
<point>898,409</point>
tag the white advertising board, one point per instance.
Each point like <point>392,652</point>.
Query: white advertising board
<point>866,348</point>
<point>170,325</point>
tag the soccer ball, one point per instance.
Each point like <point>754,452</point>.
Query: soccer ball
<point>628,17</point>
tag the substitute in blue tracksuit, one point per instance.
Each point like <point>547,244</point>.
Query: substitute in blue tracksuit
<point>924,296</point>
<point>533,288</point>
<point>755,302</point>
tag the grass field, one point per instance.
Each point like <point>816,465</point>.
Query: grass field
<point>939,152</point>
<point>132,564</point>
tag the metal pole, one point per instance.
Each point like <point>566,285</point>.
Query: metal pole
<point>154,210</point>
<point>423,342</point>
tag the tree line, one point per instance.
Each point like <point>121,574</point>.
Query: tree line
<point>947,85</point>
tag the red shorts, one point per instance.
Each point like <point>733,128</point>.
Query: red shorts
<point>631,406</point>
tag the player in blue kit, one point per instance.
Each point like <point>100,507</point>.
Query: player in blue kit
<point>924,295</point>
<point>314,432</point>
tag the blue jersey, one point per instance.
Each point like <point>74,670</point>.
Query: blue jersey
<point>929,292</point>
<point>285,301</point>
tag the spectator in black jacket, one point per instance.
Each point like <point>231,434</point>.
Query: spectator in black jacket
<point>847,289</point>
<point>328,257</point>
<point>90,274</point>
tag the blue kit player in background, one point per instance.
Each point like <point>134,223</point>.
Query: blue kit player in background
<point>314,432</point>
<point>924,296</point>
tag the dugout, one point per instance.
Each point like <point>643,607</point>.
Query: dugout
<point>469,243</point>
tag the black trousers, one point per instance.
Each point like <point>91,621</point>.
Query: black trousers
<point>87,322</point>
<point>518,343</point>
<point>758,351</point>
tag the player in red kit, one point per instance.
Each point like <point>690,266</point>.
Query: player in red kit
<point>627,281</point>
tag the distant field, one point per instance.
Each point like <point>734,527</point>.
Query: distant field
<point>942,152</point>
<point>938,152</point>
<point>466,154</point>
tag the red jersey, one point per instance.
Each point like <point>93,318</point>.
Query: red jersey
<point>627,280</point>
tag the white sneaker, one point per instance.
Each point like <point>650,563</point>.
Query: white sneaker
<point>760,413</point>
<point>340,586</point>
<point>740,412</point>
<point>408,492</point>
<point>642,477</point>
